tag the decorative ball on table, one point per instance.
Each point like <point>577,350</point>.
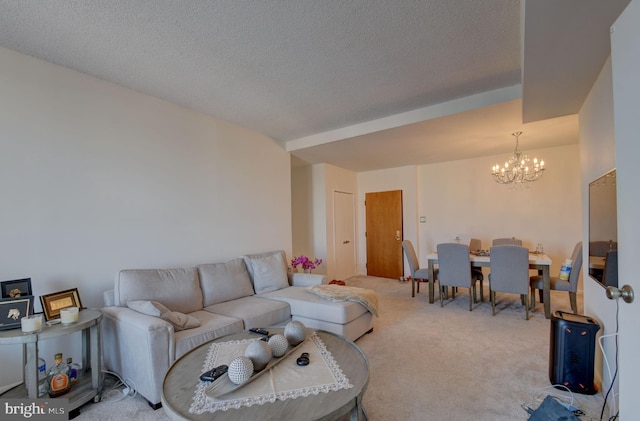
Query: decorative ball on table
<point>240,370</point>
<point>278,344</point>
<point>295,332</point>
<point>259,352</point>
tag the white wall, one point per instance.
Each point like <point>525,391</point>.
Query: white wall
<point>308,192</point>
<point>303,215</point>
<point>95,178</point>
<point>461,199</point>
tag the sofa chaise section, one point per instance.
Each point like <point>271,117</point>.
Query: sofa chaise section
<point>346,318</point>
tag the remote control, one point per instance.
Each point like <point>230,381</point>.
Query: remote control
<point>259,331</point>
<point>214,373</point>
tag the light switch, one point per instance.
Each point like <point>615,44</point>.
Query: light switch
<point>423,219</point>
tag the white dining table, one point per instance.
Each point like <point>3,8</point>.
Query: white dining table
<point>540,262</point>
<point>596,262</point>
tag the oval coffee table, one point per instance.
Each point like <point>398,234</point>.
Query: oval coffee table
<point>183,376</point>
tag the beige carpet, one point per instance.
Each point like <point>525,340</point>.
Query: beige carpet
<point>433,363</point>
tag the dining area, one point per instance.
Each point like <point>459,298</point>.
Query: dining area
<point>506,266</point>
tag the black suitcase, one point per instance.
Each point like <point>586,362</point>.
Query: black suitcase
<point>572,351</point>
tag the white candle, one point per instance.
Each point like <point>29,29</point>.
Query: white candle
<point>31,324</point>
<point>69,315</point>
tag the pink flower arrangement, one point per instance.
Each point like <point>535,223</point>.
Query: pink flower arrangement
<point>306,263</point>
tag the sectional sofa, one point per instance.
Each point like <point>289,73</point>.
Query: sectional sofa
<point>154,316</point>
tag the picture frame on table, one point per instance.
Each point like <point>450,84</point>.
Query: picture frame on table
<point>54,302</point>
<point>16,288</point>
<point>12,310</point>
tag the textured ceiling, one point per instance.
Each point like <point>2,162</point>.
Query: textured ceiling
<point>304,72</point>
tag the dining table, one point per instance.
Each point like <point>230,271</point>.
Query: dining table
<point>537,261</point>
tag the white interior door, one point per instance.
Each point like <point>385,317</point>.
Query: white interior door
<point>625,60</point>
<point>344,234</point>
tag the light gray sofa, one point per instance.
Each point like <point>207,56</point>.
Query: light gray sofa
<point>223,298</point>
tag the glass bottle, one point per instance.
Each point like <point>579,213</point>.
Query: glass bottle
<point>43,386</point>
<point>74,371</point>
<point>58,378</point>
<point>42,377</point>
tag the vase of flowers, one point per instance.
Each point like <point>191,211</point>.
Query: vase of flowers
<point>305,263</point>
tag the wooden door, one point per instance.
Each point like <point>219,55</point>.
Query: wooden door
<point>344,234</point>
<point>384,234</point>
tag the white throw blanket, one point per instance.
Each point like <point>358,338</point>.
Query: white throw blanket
<point>366,297</point>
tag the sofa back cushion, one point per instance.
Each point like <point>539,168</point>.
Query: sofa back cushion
<point>177,289</point>
<point>223,282</point>
<point>268,271</point>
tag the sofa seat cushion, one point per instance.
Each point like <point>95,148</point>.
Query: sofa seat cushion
<point>224,281</point>
<point>256,312</point>
<point>178,289</point>
<point>305,304</point>
<point>212,326</point>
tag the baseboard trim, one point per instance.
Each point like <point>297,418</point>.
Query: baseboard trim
<point>11,386</point>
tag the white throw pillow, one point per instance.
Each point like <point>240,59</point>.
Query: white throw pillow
<point>269,272</point>
<point>180,321</point>
<point>150,308</point>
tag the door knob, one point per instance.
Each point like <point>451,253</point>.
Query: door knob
<point>346,242</point>
<point>397,234</point>
<point>626,293</point>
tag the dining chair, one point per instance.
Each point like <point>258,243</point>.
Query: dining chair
<point>600,248</point>
<point>454,270</point>
<point>509,273</point>
<point>475,244</point>
<point>511,241</point>
<point>417,274</point>
<point>610,274</point>
<point>570,285</point>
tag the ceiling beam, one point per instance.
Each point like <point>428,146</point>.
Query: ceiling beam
<point>410,117</point>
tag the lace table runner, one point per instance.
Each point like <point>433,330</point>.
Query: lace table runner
<point>286,380</point>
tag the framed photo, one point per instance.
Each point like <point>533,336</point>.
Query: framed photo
<point>14,309</point>
<point>53,303</point>
<point>17,288</point>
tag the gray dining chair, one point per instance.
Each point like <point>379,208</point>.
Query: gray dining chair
<point>454,270</point>
<point>570,285</point>
<point>600,248</point>
<point>610,275</point>
<point>475,244</point>
<point>417,274</point>
<point>511,241</point>
<point>509,273</point>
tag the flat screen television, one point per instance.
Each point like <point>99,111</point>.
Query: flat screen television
<point>603,230</point>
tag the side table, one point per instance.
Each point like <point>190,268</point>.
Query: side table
<point>89,386</point>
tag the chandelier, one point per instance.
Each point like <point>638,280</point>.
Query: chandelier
<point>519,168</point>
